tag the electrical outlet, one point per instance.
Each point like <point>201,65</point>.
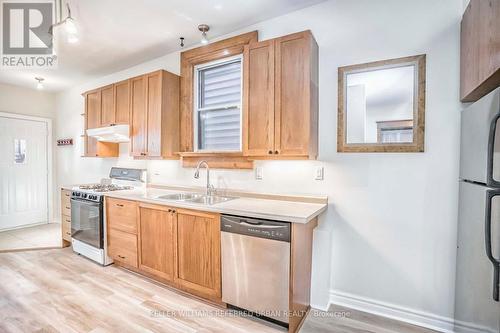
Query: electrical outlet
<point>320,173</point>
<point>259,173</point>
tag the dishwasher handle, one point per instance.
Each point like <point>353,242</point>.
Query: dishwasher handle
<point>268,229</point>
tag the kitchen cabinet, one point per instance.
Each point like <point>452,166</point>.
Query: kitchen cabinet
<point>281,98</point>
<point>155,115</point>
<point>66,217</point>
<point>107,106</point>
<point>122,102</point>
<point>121,222</point>
<point>479,49</point>
<point>156,241</point>
<point>93,119</point>
<point>198,253</point>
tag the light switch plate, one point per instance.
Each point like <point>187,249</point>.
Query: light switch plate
<point>320,173</point>
<point>259,173</point>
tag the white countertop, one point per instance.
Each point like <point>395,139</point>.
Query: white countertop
<point>280,210</point>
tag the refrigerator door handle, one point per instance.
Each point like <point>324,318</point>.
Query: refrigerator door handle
<point>491,152</point>
<point>489,249</point>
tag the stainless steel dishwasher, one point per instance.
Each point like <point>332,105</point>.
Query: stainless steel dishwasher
<point>256,265</point>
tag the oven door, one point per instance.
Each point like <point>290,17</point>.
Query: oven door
<point>87,222</point>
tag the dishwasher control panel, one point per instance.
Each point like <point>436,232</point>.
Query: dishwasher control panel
<point>261,228</point>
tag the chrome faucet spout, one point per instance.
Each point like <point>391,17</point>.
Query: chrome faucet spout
<point>197,175</point>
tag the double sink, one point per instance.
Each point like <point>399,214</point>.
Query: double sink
<point>197,198</point>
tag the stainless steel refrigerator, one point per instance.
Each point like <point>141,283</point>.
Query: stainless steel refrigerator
<point>477,307</point>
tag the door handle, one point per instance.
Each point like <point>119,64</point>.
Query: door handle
<point>489,249</point>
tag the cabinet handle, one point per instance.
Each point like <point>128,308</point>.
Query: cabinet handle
<point>169,210</point>
<point>173,210</point>
<point>122,257</point>
<point>69,221</point>
<point>270,152</point>
<point>68,207</point>
<point>276,152</point>
<point>119,205</point>
<point>68,233</point>
<point>67,194</point>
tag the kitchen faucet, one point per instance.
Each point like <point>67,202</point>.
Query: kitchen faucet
<point>210,189</point>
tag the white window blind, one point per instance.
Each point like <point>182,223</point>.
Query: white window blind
<point>218,106</point>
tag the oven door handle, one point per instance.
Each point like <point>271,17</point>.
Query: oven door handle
<point>85,202</point>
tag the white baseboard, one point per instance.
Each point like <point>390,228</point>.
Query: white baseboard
<point>407,315</point>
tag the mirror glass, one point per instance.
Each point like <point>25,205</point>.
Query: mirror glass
<point>380,105</point>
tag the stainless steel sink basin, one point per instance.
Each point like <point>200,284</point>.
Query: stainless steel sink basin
<point>210,200</point>
<point>180,196</point>
<point>196,198</point>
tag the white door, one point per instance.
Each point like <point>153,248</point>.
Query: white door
<point>23,172</point>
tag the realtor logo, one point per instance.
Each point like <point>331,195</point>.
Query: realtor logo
<point>27,41</point>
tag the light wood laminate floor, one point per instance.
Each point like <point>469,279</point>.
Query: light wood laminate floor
<point>59,291</point>
<point>46,235</point>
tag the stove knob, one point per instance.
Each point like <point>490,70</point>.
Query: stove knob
<point>84,195</point>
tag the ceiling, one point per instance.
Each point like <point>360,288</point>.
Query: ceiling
<point>117,34</point>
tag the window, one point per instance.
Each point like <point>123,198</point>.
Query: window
<point>395,131</point>
<point>217,107</point>
<point>19,151</point>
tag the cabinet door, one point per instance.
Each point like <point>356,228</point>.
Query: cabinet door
<point>292,108</point>
<point>198,253</point>
<point>139,116</point>
<point>154,110</point>
<point>258,115</point>
<point>479,49</point>
<point>122,102</point>
<point>93,119</point>
<point>107,106</point>
<point>157,241</point>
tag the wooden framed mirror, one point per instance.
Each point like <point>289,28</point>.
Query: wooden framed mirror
<point>381,106</point>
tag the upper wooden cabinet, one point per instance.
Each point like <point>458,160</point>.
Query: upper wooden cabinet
<point>480,49</point>
<point>107,106</point>
<point>121,102</point>
<point>93,119</point>
<point>281,97</point>
<point>155,115</point>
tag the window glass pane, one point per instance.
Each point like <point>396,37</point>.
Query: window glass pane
<point>220,85</point>
<point>219,107</point>
<point>219,129</point>
<point>19,151</point>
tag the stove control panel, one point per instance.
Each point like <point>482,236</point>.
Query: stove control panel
<point>86,196</point>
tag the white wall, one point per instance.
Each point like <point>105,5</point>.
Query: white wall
<point>30,102</point>
<point>388,238</point>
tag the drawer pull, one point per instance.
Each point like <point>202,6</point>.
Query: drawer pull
<point>68,207</point>
<point>122,257</point>
<point>68,233</point>
<point>69,221</point>
<point>119,205</point>
<point>67,194</point>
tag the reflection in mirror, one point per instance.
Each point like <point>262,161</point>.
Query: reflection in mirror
<point>381,106</point>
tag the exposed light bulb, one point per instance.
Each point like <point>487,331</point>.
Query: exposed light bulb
<point>70,26</point>
<point>204,28</point>
<point>204,39</point>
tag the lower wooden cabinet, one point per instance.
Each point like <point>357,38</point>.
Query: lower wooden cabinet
<point>65,218</point>
<point>177,246</point>
<point>122,247</point>
<point>156,240</point>
<point>198,253</point>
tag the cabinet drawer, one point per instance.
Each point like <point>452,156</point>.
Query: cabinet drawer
<point>122,247</point>
<point>122,215</point>
<point>65,198</point>
<point>66,228</point>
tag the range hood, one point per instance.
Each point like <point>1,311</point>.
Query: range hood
<point>116,133</point>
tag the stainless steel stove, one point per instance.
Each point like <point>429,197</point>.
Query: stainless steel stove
<point>88,222</point>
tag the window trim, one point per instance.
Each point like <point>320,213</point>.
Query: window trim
<point>195,110</point>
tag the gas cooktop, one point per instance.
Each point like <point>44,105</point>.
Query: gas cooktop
<point>104,187</point>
